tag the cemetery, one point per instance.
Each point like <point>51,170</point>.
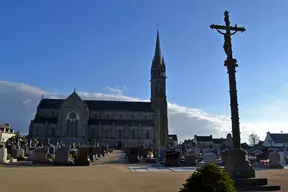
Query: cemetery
<point>16,152</point>
<point>241,169</point>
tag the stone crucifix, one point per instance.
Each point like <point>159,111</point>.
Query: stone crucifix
<point>231,64</point>
<point>228,32</point>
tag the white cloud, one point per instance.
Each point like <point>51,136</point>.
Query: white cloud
<point>115,90</point>
<point>19,101</point>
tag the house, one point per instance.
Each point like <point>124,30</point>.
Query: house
<point>276,140</point>
<point>210,142</point>
<point>6,132</point>
<point>173,140</point>
<point>203,141</point>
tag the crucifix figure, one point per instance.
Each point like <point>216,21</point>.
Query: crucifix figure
<point>229,31</point>
<point>237,165</point>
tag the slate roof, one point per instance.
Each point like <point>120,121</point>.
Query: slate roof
<point>121,122</point>
<point>218,140</point>
<point>279,137</point>
<point>204,138</point>
<point>39,119</point>
<point>54,120</point>
<point>173,137</point>
<point>101,105</point>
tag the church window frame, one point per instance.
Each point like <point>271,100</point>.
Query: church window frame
<point>72,124</point>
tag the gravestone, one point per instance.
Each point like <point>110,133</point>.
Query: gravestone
<point>162,153</point>
<point>204,151</point>
<point>39,155</point>
<point>82,158</point>
<point>209,158</point>
<point>274,159</point>
<point>172,158</point>
<point>17,153</point>
<point>190,160</point>
<point>133,155</point>
<point>74,153</point>
<point>282,158</point>
<point>52,149</point>
<point>3,155</point>
<point>62,156</point>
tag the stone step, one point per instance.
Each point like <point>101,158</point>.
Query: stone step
<point>259,188</point>
<point>250,182</point>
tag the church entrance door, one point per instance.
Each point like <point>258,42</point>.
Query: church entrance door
<point>119,145</point>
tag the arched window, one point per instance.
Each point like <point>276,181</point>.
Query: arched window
<point>120,133</point>
<point>147,134</point>
<point>133,134</point>
<point>72,124</point>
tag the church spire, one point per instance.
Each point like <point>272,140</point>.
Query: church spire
<point>157,60</point>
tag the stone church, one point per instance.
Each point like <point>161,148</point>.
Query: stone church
<point>116,123</point>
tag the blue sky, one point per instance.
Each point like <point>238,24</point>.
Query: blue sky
<point>59,45</point>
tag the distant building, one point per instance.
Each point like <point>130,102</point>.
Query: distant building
<point>6,132</point>
<point>116,123</point>
<point>203,141</point>
<point>276,140</point>
<point>210,142</point>
<point>173,140</point>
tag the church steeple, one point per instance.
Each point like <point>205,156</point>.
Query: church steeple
<point>157,60</point>
<point>158,92</point>
<point>158,67</point>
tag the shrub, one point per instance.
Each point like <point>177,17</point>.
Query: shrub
<point>209,178</point>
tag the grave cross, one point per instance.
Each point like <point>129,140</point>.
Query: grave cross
<point>231,64</point>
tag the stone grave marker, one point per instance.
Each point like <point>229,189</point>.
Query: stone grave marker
<point>62,156</point>
<point>172,158</point>
<point>204,151</point>
<point>82,158</point>
<point>190,160</point>
<point>209,158</point>
<point>133,155</point>
<point>274,159</point>
<point>39,155</point>
<point>17,153</point>
<point>74,152</point>
<point>3,155</point>
<point>162,153</point>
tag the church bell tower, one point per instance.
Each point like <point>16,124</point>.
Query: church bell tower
<point>158,92</point>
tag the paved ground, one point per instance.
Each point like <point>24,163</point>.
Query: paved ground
<point>108,175</point>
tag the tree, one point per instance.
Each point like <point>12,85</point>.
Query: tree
<point>209,178</point>
<point>253,139</point>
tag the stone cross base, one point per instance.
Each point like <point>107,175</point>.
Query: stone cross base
<point>238,165</point>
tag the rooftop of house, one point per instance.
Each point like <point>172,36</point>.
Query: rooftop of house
<point>5,125</point>
<point>218,140</point>
<point>173,137</point>
<point>203,138</point>
<point>279,137</point>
